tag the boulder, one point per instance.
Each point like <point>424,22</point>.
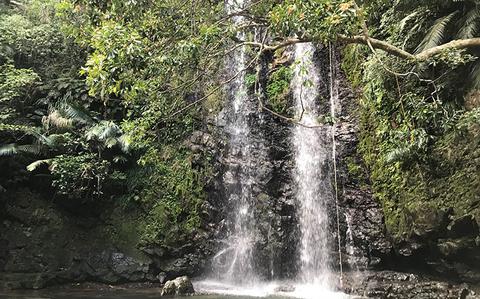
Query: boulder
<point>179,286</point>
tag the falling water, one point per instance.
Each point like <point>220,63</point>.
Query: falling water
<point>350,244</point>
<point>312,172</point>
<point>234,263</point>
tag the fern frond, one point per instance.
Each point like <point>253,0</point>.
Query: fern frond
<point>436,33</point>
<point>8,149</point>
<point>399,154</point>
<point>56,119</point>
<point>75,112</point>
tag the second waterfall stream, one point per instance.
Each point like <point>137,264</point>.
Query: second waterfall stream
<point>313,173</point>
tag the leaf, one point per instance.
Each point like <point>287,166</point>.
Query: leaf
<point>399,154</point>
<point>56,119</point>
<point>13,149</point>
<point>75,113</point>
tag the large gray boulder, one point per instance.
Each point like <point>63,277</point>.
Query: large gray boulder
<point>179,286</point>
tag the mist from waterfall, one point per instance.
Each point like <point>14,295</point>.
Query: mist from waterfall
<point>234,262</point>
<point>312,149</point>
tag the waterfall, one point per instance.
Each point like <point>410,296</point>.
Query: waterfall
<point>312,171</point>
<point>234,263</point>
<point>334,97</point>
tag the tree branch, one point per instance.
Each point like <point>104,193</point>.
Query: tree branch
<point>380,45</point>
<point>377,44</point>
<point>458,44</point>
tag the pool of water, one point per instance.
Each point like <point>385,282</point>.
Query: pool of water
<point>278,289</point>
<point>102,294</point>
<point>84,294</point>
<point>215,290</point>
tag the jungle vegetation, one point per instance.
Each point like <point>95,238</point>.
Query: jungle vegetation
<point>100,97</point>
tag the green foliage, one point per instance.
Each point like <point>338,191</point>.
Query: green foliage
<point>151,59</point>
<point>278,87</point>
<point>16,83</point>
<point>173,190</point>
<point>323,20</point>
<point>353,69</point>
<point>417,139</point>
<point>46,112</point>
<point>79,177</point>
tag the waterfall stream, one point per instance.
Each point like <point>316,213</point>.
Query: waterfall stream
<point>312,171</point>
<point>234,263</point>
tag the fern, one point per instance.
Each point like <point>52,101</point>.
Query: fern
<point>75,112</point>
<point>400,154</point>
<point>8,149</point>
<point>13,149</point>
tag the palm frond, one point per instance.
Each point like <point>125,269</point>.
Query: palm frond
<point>93,132</point>
<point>110,130</point>
<point>469,23</point>
<point>13,149</point>
<point>436,33</point>
<point>120,159</point>
<point>35,149</point>
<point>103,131</point>
<point>125,142</point>
<point>111,142</point>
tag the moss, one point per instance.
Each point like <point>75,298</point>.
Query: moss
<point>278,87</point>
<point>430,176</point>
<point>214,102</point>
<point>351,55</point>
<point>124,230</point>
<point>435,174</point>
<point>174,196</point>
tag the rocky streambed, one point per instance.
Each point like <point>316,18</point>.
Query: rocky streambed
<point>365,284</point>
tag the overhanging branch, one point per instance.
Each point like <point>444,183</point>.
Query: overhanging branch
<point>380,45</point>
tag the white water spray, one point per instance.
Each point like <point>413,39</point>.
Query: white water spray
<point>234,263</point>
<point>312,172</point>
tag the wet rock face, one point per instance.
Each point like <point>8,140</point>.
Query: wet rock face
<point>363,236</point>
<point>362,229</point>
<point>389,284</point>
<point>40,245</point>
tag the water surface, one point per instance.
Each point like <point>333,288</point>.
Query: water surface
<point>103,294</point>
